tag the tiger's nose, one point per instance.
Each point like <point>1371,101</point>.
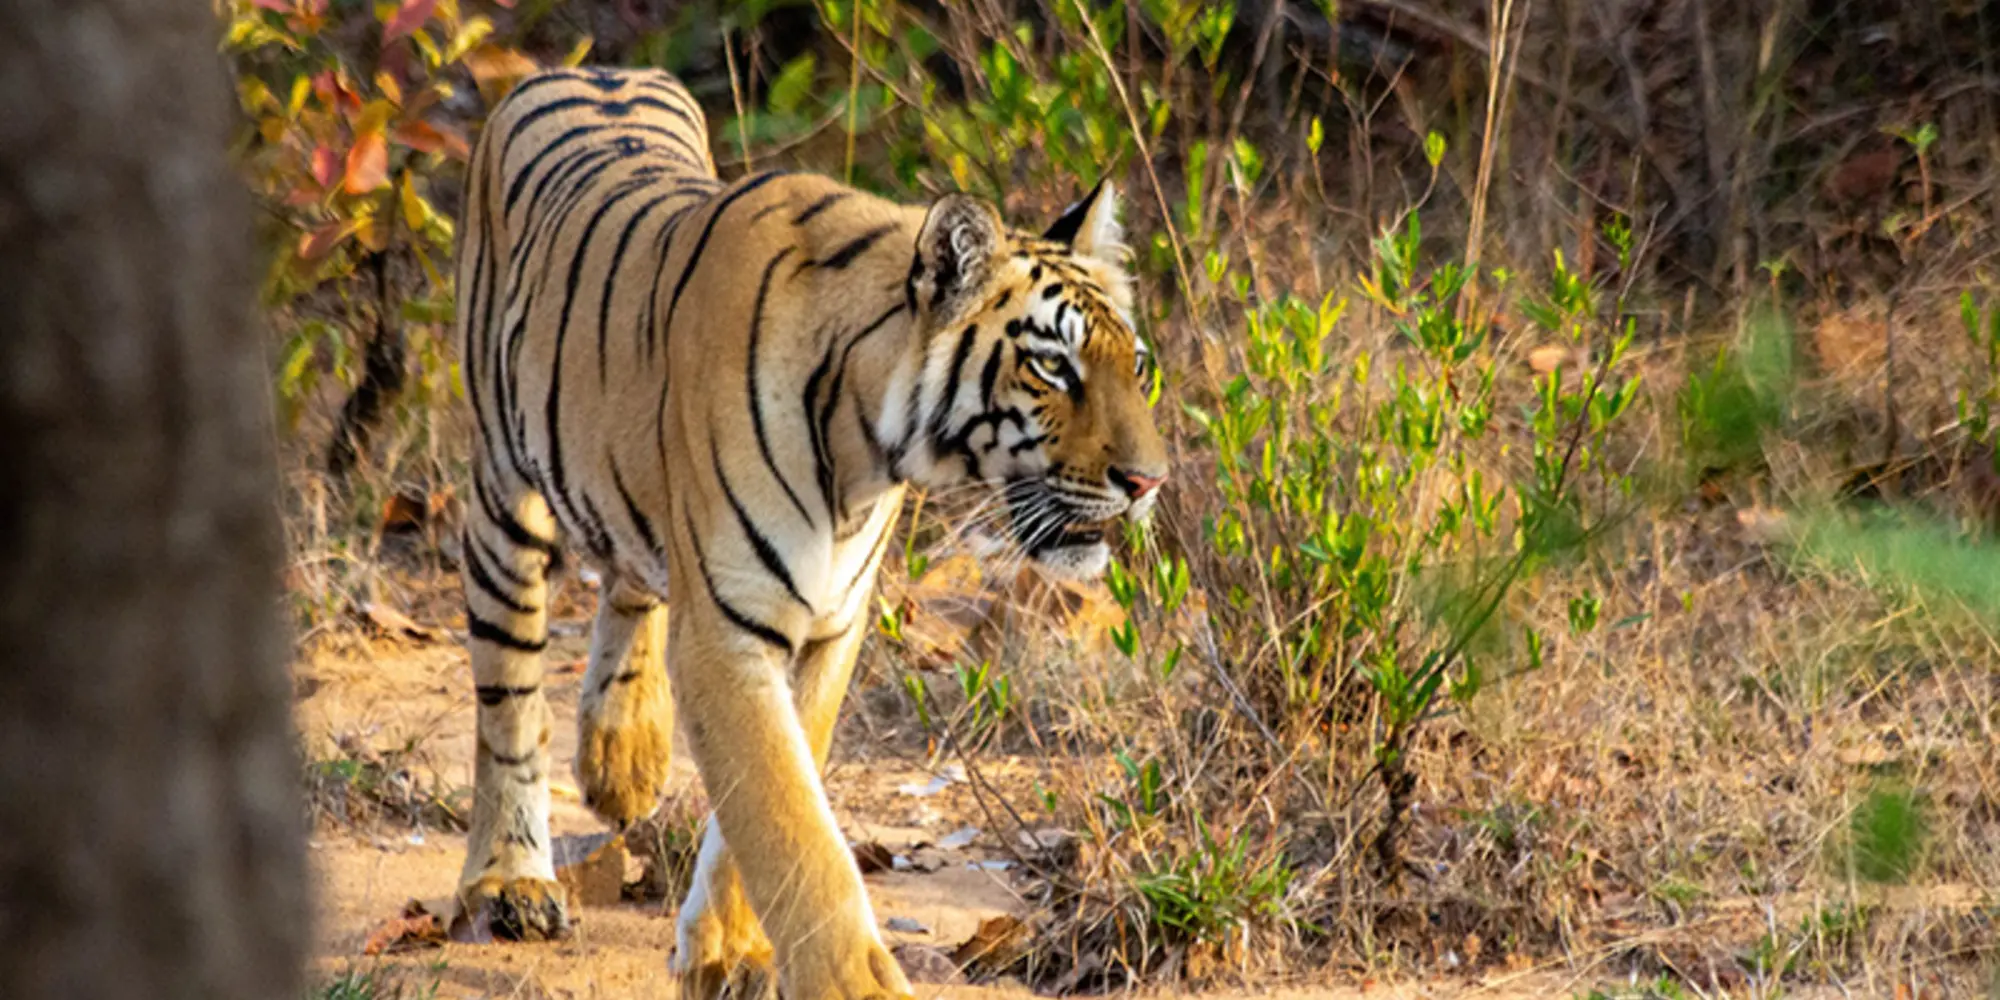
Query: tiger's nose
<point>1135,484</point>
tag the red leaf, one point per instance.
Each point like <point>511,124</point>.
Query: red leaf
<point>509,4</point>
<point>334,92</point>
<point>321,241</point>
<point>425,137</point>
<point>367,164</point>
<point>407,19</point>
<point>325,165</point>
<point>274,5</point>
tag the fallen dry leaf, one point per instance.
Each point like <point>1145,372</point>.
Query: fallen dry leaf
<point>394,624</point>
<point>995,946</point>
<point>872,857</point>
<point>416,928</point>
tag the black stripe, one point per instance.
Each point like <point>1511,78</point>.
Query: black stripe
<point>991,375</point>
<point>809,400</point>
<point>549,177</point>
<point>486,631</point>
<point>823,423</point>
<point>750,381</point>
<point>737,618</point>
<point>959,356</point>
<point>825,202</point>
<point>656,333</point>
<point>552,413</point>
<point>766,553</point>
<point>846,255</point>
<point>501,758</point>
<point>505,522</point>
<point>611,283</point>
<point>875,450</point>
<point>687,272</point>
<point>598,538</point>
<point>639,519</point>
<point>477,572</point>
<point>522,123</point>
<point>822,430</point>
<point>492,561</point>
<point>701,244</point>
<point>538,79</point>
<point>494,694</point>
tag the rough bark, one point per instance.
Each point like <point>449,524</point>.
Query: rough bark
<point>150,840</point>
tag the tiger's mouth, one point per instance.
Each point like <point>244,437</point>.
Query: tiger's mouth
<point>1058,535</point>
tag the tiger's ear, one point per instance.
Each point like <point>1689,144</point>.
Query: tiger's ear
<point>955,252</point>
<point>1090,226</point>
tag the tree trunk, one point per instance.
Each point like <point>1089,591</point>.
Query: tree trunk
<point>150,835</point>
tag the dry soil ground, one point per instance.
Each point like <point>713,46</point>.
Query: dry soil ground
<point>389,693</point>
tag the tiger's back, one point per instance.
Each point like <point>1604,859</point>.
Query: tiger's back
<point>579,182</point>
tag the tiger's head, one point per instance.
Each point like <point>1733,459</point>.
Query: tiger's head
<point>1031,376</point>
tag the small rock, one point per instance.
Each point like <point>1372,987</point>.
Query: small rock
<point>928,965</point>
<point>958,838</point>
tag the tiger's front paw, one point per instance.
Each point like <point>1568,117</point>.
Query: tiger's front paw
<point>864,970</point>
<point>747,978</point>
<point>515,909</point>
<point>623,759</point>
<point>721,951</point>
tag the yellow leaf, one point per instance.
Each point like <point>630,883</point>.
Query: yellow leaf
<point>581,52</point>
<point>475,31</point>
<point>371,233</point>
<point>255,95</point>
<point>496,70</point>
<point>301,89</point>
<point>373,116</point>
<point>430,269</point>
<point>432,57</point>
<point>386,83</point>
<point>415,210</point>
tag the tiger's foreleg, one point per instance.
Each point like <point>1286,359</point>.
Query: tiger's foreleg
<point>625,720</point>
<point>719,941</point>
<point>509,880</point>
<point>759,755</point>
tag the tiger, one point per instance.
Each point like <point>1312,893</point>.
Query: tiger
<point>721,391</point>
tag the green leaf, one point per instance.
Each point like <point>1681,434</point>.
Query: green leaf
<point>794,82</point>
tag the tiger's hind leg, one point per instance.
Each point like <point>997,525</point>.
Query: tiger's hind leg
<point>509,882</point>
<point>625,720</point>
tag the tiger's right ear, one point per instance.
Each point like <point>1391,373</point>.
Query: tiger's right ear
<point>955,252</point>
